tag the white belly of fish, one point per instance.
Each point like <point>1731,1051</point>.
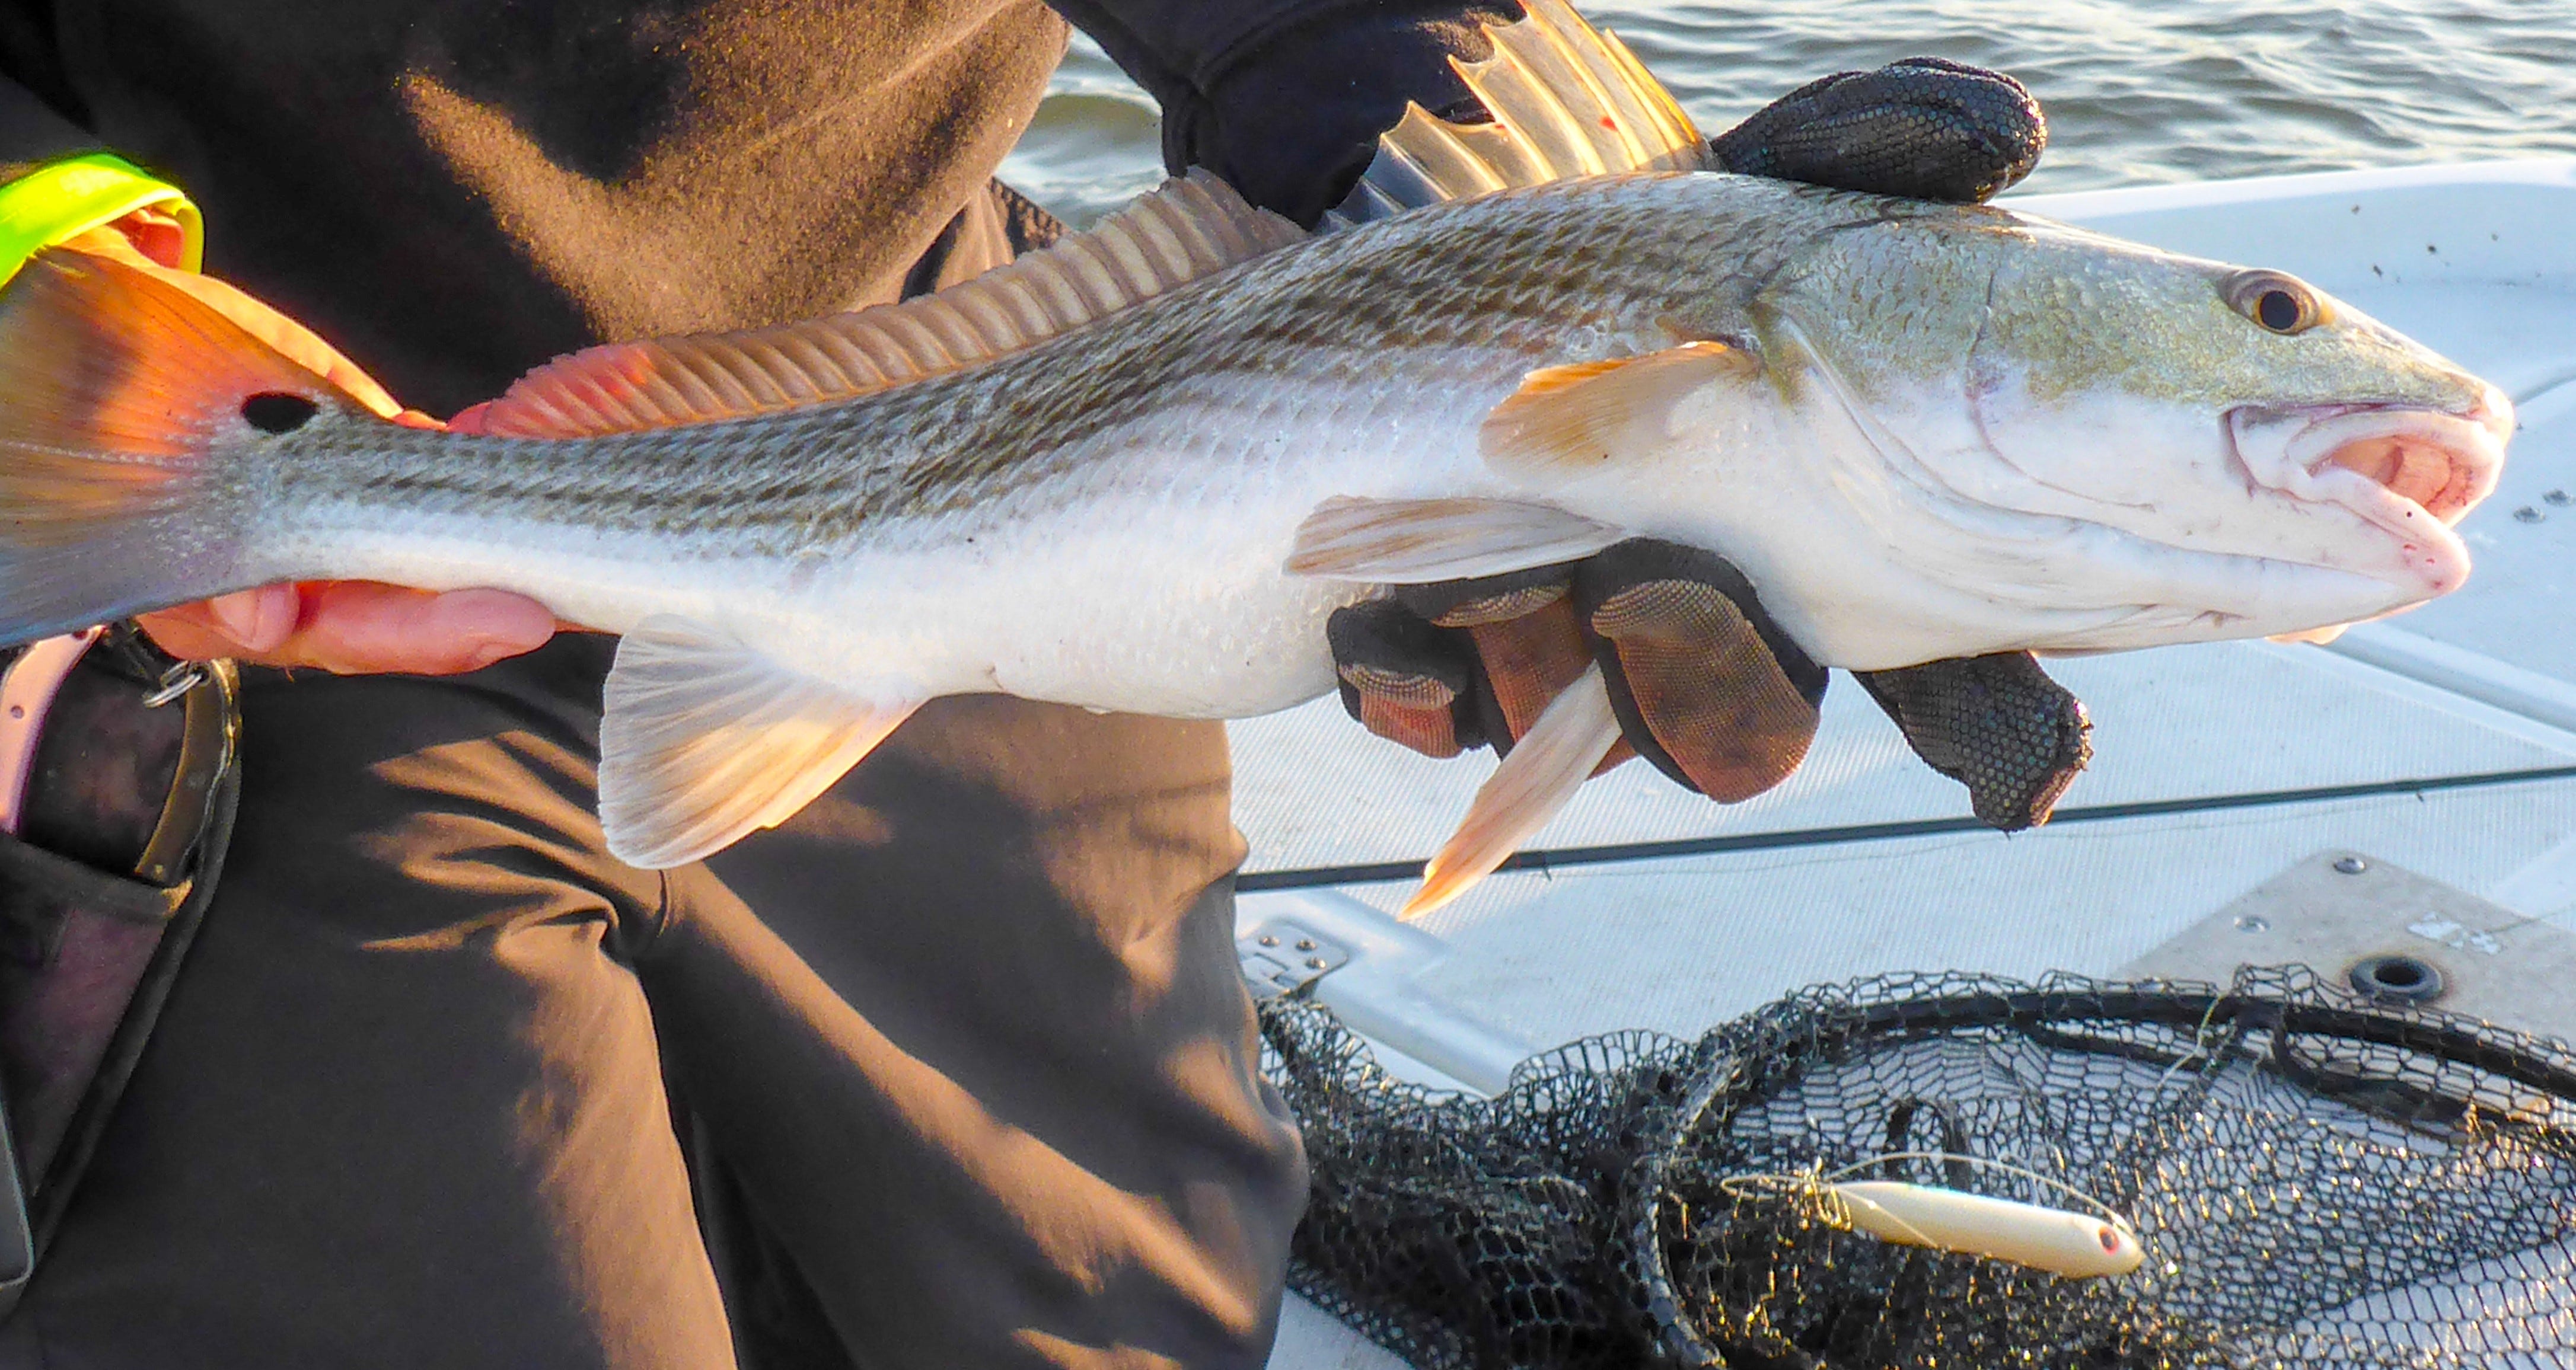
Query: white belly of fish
<point>1166,597</point>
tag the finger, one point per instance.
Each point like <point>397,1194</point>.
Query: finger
<point>1707,688</point>
<point>247,624</point>
<point>1996,724</point>
<point>1528,641</point>
<point>159,236</point>
<point>354,627</point>
<point>1922,128</point>
<point>1404,679</point>
<point>1717,711</point>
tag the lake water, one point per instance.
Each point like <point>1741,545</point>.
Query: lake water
<point>2139,92</point>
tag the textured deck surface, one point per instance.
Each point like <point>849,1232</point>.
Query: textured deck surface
<point>2216,743</point>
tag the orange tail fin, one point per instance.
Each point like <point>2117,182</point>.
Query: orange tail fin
<point>128,410</point>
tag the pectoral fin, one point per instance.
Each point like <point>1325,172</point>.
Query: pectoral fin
<point>1420,541</point>
<point>1573,420</point>
<point>1546,767</point>
<point>706,738</point>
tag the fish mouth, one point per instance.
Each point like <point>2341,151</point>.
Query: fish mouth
<point>2412,470</point>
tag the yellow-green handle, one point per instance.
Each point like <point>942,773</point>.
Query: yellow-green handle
<point>60,200</point>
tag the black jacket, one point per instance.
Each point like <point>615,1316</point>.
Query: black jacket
<point>456,190</point>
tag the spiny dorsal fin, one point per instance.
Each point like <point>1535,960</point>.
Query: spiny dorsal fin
<point>1194,226</point>
<point>1567,100</point>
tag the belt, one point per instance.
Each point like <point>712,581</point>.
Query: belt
<point>117,788</point>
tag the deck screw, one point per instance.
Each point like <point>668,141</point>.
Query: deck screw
<point>2527,514</point>
<point>2253,922</point>
<point>1269,941</point>
<point>1305,944</point>
<point>2559,497</point>
<point>2350,865</point>
<point>1315,963</point>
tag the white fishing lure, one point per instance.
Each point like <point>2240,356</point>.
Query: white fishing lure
<point>2055,1241</point>
<point>2076,1245</point>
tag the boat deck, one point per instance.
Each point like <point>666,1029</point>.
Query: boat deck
<point>2443,741</point>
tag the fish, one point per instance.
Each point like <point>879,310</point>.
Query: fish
<point>1138,470</point>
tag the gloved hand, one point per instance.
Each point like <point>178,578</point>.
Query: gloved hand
<point>343,626</point>
<point>1289,114</point>
<point>1706,686</point>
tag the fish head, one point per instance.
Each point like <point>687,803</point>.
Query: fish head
<point>2136,447</point>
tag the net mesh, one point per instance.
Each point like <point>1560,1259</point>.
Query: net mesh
<point>2316,1180</point>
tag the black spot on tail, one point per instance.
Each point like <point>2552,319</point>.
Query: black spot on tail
<point>275,411</point>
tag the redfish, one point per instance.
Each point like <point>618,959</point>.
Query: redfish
<point>1138,471</point>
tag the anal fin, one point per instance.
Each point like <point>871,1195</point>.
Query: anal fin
<point>1421,541</point>
<point>705,739</point>
<point>1546,767</point>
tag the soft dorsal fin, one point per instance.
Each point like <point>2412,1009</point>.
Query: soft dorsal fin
<point>1194,226</point>
<point>1567,100</point>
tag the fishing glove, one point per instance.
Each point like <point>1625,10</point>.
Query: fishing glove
<point>1705,685</point>
<point>1285,100</point>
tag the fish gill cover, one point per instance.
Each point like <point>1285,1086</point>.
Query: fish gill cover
<point>2315,1181</point>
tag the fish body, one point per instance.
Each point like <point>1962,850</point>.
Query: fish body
<point>1103,519</point>
<point>1139,471</point>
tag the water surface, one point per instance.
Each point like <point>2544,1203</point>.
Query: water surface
<point>2137,92</point>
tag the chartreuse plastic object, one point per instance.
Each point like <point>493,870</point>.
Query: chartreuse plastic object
<point>61,199</point>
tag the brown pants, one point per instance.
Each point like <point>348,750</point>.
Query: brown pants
<point>966,1074</point>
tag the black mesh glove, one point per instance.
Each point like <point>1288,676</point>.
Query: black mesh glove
<point>1704,683</point>
<point>1921,128</point>
<point>1285,99</point>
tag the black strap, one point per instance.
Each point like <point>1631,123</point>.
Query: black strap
<point>88,956</point>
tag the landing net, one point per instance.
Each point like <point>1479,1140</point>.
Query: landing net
<point>2316,1181</point>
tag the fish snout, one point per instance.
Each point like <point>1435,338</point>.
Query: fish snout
<point>2443,463</point>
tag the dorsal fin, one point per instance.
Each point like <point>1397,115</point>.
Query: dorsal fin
<point>1194,226</point>
<point>1567,100</point>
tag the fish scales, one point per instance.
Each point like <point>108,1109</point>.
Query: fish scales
<point>1138,471</point>
<point>1446,299</point>
<point>1359,365</point>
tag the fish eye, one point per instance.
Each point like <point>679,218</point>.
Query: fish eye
<point>2110,1238</point>
<point>275,411</point>
<point>2282,303</point>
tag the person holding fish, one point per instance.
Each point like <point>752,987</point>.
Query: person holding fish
<point>951,1067</point>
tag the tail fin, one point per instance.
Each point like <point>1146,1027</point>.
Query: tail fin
<point>119,397</point>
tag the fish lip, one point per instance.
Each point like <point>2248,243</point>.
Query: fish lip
<point>2315,454</point>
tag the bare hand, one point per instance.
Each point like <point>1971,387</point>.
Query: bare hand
<point>348,627</point>
<point>356,627</point>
